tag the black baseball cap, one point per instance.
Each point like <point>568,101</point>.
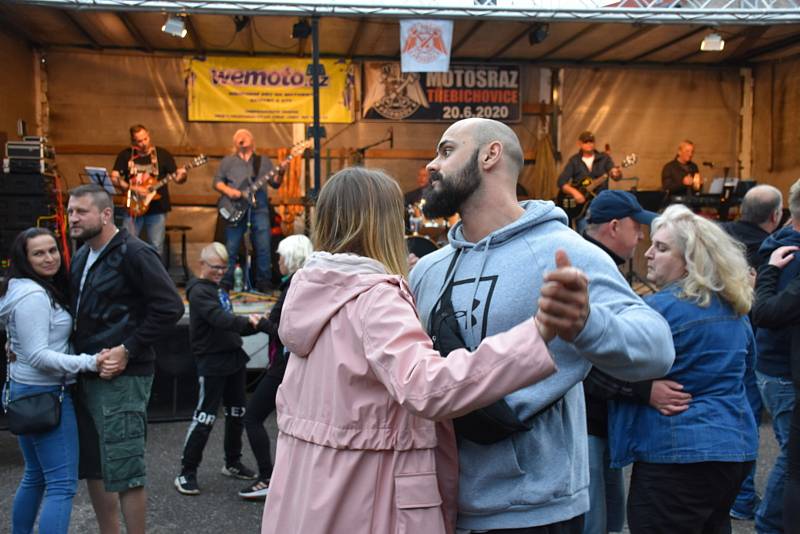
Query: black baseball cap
<point>610,205</point>
<point>586,137</point>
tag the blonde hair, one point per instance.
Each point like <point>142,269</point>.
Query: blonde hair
<point>214,250</point>
<point>360,211</point>
<point>294,250</point>
<point>715,262</point>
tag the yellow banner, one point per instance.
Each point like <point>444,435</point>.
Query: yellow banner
<point>240,89</point>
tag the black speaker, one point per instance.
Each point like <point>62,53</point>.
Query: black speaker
<point>651,200</point>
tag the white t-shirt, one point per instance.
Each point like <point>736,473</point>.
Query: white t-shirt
<point>588,161</point>
<point>93,255</point>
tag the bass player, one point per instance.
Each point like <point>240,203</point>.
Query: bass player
<point>587,163</point>
<point>235,173</point>
<point>137,165</point>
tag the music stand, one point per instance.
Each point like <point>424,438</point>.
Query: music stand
<point>99,176</point>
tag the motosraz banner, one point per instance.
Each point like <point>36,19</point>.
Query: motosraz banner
<point>239,89</point>
<point>487,90</point>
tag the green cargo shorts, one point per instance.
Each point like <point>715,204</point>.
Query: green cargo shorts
<point>112,427</point>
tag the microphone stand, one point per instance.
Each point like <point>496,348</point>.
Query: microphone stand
<point>632,276</point>
<point>359,154</point>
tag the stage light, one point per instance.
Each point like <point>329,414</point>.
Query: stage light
<point>175,26</point>
<point>301,30</point>
<point>713,42</point>
<point>539,33</point>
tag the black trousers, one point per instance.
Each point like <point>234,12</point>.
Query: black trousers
<point>261,404</point>
<point>230,391</point>
<point>570,526</point>
<point>687,498</point>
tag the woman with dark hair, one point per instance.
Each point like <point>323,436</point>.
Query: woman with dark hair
<point>364,445</point>
<point>34,310</point>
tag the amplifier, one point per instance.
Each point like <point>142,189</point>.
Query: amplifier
<point>26,184</point>
<point>29,150</point>
<point>22,212</point>
<point>28,166</point>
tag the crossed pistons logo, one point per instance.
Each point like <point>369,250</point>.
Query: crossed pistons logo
<point>424,42</point>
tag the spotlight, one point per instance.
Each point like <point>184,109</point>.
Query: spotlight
<point>241,22</point>
<point>175,26</point>
<point>713,42</point>
<point>539,33</point>
<point>301,30</point>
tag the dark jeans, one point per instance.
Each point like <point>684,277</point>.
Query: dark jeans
<point>257,221</point>
<point>570,526</point>
<point>215,389</point>
<point>685,498</point>
<point>261,404</point>
<point>791,492</point>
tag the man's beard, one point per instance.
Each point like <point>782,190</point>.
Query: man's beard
<point>88,233</point>
<point>452,192</point>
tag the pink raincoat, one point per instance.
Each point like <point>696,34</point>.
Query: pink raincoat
<point>359,449</point>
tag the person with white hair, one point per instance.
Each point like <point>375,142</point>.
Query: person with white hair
<point>292,254</point>
<point>236,171</point>
<point>216,339</point>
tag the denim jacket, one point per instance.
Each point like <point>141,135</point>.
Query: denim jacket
<point>713,345</point>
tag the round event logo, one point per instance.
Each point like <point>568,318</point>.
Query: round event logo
<point>424,42</point>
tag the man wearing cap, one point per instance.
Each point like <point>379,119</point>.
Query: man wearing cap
<point>615,224</point>
<point>587,163</point>
<point>235,172</point>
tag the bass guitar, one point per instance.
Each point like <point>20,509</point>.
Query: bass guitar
<point>139,205</point>
<point>233,210</point>
<point>587,186</point>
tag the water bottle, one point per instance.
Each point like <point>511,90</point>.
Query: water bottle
<point>238,278</point>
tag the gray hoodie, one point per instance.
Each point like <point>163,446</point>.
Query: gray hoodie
<point>540,476</point>
<point>39,336</point>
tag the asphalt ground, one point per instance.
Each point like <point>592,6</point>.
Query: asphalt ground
<point>217,509</point>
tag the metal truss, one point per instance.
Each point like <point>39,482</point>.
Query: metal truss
<point>708,12</point>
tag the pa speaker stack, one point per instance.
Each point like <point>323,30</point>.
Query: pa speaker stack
<point>27,191</point>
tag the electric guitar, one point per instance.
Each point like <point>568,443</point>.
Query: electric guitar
<point>139,205</point>
<point>233,210</point>
<point>587,186</point>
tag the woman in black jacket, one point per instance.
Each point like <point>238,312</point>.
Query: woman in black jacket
<point>780,309</point>
<point>292,252</point>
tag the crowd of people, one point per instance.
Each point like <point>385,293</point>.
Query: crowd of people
<point>496,385</point>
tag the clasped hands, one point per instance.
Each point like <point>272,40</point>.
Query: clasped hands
<point>111,362</point>
<point>563,301</point>
<point>254,319</point>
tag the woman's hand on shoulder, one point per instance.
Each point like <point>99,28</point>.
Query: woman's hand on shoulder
<point>781,256</point>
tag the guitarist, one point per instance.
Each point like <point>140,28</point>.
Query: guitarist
<point>235,172</point>
<point>590,163</point>
<point>135,165</point>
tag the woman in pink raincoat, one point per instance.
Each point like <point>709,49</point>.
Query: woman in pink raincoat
<point>366,444</point>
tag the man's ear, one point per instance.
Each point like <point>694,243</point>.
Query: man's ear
<point>492,155</point>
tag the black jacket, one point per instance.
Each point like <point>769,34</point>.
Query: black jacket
<point>127,298</point>
<point>751,236</point>
<point>576,170</point>
<point>774,308</point>
<point>216,333</point>
<point>277,367</point>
